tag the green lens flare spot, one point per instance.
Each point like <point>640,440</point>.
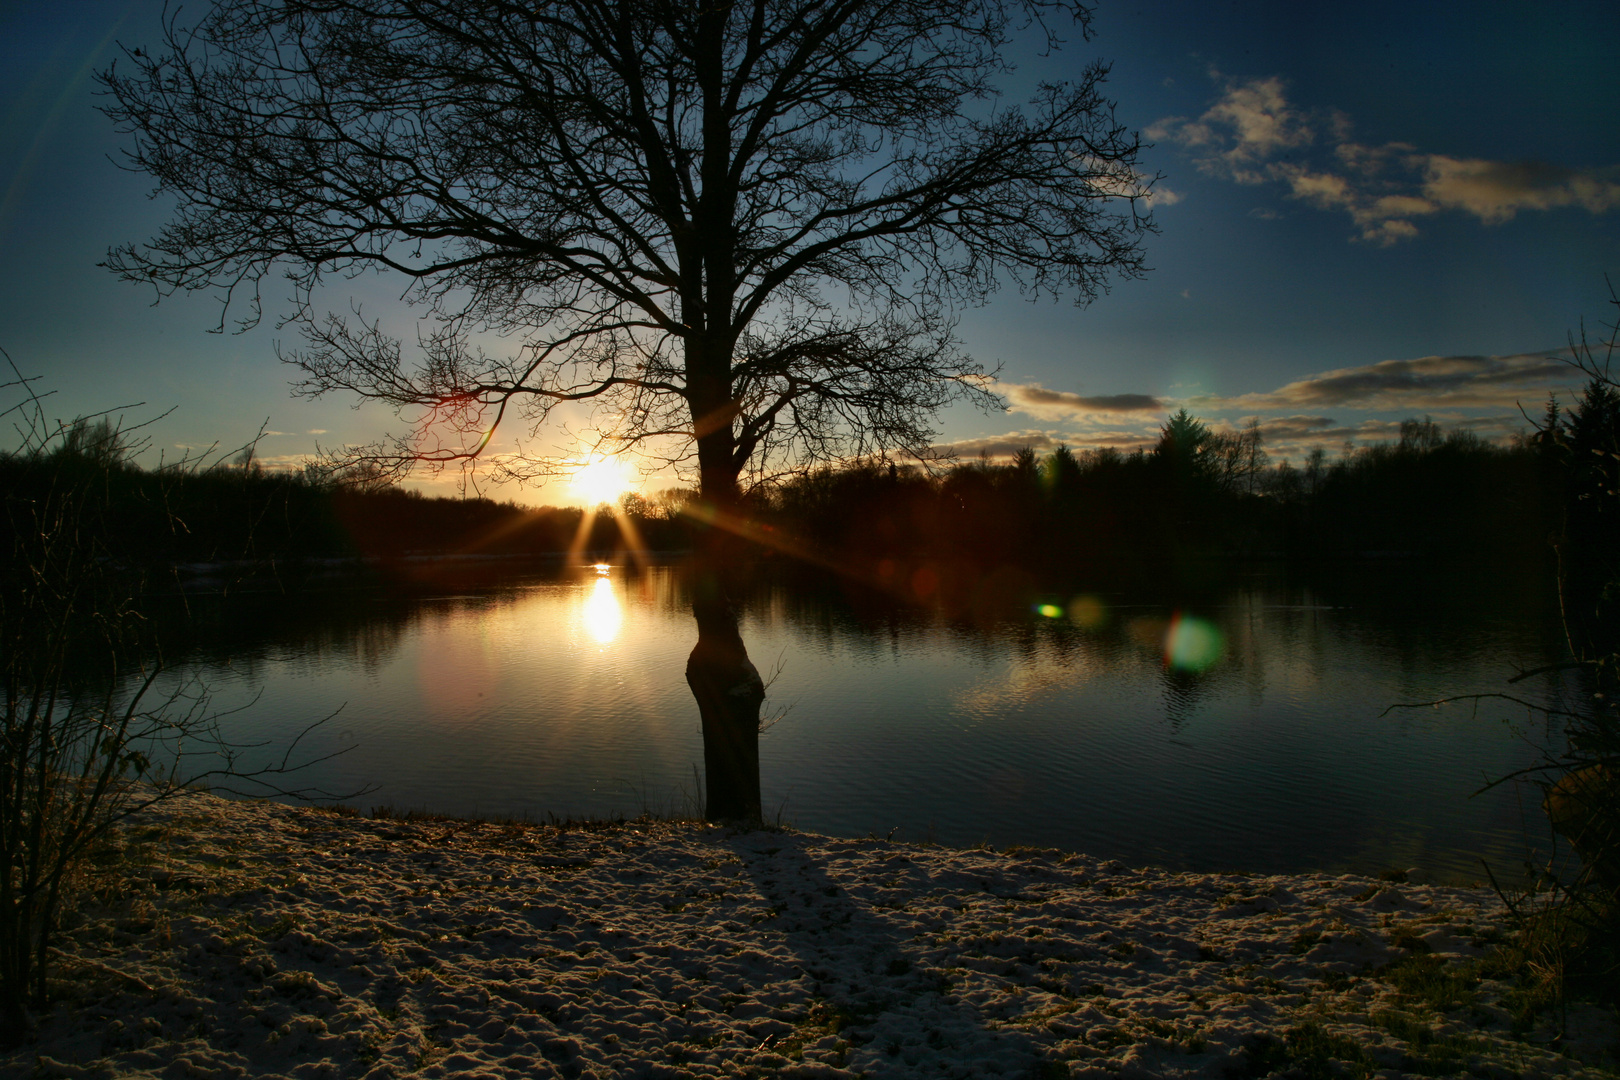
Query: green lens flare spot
<point>1192,644</point>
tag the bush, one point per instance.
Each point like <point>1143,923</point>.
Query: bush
<point>82,729</point>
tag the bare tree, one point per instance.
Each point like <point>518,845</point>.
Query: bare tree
<point>741,229</point>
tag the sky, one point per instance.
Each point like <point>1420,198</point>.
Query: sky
<point>1366,212</point>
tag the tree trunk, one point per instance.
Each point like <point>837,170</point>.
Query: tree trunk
<point>725,683</point>
<point>727,687</point>
<point>728,690</point>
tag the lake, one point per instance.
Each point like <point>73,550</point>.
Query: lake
<point>1241,728</point>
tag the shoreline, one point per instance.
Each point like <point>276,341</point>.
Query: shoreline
<point>261,940</point>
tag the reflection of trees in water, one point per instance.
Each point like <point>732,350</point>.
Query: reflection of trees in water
<point>1183,691</point>
<point>310,632</point>
<point>1423,617</point>
<point>1276,631</point>
<point>363,626</point>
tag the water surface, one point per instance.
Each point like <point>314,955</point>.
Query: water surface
<point>1241,729</point>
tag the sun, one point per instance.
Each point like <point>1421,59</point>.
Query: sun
<point>601,480</point>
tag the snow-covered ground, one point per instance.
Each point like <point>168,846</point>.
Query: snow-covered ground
<point>263,940</point>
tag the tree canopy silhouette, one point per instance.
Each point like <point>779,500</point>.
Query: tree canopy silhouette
<point>739,229</point>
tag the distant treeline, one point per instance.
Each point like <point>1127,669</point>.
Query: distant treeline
<point>1430,495</point>
<point>1199,497</point>
<point>239,512</point>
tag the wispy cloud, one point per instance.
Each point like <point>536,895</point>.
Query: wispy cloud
<point>1252,134</point>
<point>284,462</point>
<point>1002,447</point>
<point>1119,440</point>
<point>1124,182</point>
<point>1296,427</point>
<point>1283,439</point>
<point>998,446</point>
<point>1289,438</point>
<point>1043,404</point>
<point>1239,135</point>
<point>1159,195</point>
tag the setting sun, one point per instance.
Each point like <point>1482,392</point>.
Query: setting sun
<point>602,480</point>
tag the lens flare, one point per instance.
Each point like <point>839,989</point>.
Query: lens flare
<point>1192,644</point>
<point>1051,611</point>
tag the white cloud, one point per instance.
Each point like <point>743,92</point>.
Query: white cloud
<point>1495,191</point>
<point>1236,136</point>
<point>1159,195</point>
<point>1253,135</point>
<point>1121,181</point>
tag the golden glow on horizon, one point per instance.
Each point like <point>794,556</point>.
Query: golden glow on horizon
<point>602,611</point>
<point>601,480</point>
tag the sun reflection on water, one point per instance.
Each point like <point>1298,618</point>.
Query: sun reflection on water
<point>602,610</point>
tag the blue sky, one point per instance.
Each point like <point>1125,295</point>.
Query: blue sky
<point>1367,212</point>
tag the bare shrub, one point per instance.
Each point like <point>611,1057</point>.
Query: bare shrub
<point>86,737</point>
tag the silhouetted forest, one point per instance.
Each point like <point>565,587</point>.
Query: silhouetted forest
<point>241,513</point>
<point>1197,497</point>
<point>1197,501</point>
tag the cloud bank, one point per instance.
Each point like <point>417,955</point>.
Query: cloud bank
<point>1426,384</point>
<point>1252,134</point>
